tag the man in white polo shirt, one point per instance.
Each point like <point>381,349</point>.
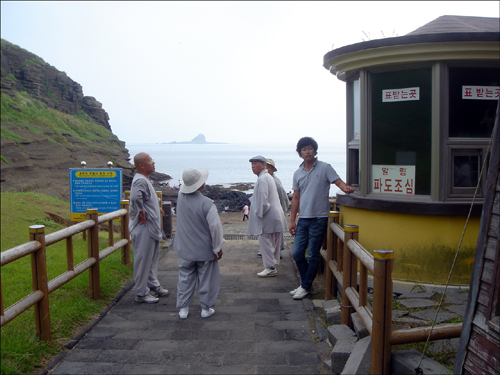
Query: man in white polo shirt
<point>311,188</point>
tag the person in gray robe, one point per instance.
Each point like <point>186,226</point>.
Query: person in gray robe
<point>267,219</point>
<point>145,231</point>
<point>198,241</point>
<point>284,201</point>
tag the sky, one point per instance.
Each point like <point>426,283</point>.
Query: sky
<point>237,72</point>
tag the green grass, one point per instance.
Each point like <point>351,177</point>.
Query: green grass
<point>35,117</point>
<point>70,306</point>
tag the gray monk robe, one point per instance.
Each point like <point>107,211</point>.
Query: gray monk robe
<point>267,218</point>
<point>145,238</point>
<point>198,239</point>
<point>284,201</point>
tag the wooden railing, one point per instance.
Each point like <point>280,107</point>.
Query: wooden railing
<point>39,298</point>
<point>343,252</point>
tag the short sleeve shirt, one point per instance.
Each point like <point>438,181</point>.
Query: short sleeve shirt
<point>314,188</point>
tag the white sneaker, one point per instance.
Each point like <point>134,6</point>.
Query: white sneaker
<point>207,313</point>
<point>300,293</point>
<point>148,298</point>
<point>160,292</point>
<point>183,313</point>
<point>268,272</point>
<point>292,292</point>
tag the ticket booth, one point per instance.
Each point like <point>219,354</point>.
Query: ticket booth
<point>420,114</point>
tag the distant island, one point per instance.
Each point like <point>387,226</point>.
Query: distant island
<point>198,140</point>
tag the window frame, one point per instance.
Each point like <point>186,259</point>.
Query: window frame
<point>451,146</point>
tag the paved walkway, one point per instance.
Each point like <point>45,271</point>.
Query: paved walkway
<point>257,328</point>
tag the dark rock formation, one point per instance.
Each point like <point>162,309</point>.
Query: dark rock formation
<point>226,199</point>
<point>24,71</point>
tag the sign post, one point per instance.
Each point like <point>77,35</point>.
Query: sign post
<point>98,188</point>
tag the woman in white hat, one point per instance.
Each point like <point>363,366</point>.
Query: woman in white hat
<point>198,241</point>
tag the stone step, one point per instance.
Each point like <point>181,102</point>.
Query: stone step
<point>343,340</point>
<point>359,361</point>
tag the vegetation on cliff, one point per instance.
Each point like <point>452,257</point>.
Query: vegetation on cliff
<point>24,113</point>
<point>48,126</point>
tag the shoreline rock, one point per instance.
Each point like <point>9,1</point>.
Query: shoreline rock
<point>226,199</point>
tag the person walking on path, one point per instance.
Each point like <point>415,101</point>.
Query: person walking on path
<point>145,231</point>
<point>267,219</point>
<point>198,242</point>
<point>245,212</point>
<point>284,201</point>
<point>311,187</point>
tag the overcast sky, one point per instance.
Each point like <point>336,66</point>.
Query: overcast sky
<point>238,72</point>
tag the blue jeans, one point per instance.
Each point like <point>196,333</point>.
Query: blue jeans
<point>309,236</point>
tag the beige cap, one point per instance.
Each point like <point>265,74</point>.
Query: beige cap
<point>271,162</point>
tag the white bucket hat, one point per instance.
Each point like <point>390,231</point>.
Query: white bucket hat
<point>193,178</point>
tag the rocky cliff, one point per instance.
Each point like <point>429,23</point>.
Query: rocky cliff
<point>48,126</point>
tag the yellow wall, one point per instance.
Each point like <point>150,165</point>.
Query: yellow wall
<point>395,231</point>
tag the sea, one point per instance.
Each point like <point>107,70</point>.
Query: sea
<point>228,163</point>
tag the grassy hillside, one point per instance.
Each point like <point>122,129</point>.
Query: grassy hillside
<point>22,112</point>
<point>70,306</point>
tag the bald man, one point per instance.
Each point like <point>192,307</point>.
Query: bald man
<point>146,232</point>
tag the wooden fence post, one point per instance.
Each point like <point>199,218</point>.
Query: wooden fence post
<point>70,263</point>
<point>40,282</point>
<point>111,233</point>
<point>93,252</point>
<point>382,312</point>
<point>347,274</point>
<point>125,233</point>
<point>330,280</point>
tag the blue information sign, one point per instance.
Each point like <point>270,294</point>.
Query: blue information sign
<point>99,188</point>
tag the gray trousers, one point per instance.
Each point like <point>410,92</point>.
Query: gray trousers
<point>146,252</point>
<point>270,244</point>
<point>206,274</point>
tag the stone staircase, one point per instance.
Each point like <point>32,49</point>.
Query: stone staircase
<point>351,349</point>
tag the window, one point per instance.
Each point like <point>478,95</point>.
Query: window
<point>353,170</point>
<point>354,131</point>
<point>472,96</point>
<point>356,110</point>
<point>401,122</point>
<point>467,164</point>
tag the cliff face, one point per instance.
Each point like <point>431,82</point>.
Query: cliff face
<point>36,150</point>
<point>24,71</point>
